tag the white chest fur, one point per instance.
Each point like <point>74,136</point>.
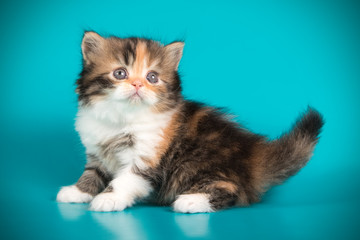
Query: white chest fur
<point>105,122</point>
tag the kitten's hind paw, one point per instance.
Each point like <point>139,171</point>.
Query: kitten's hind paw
<point>192,203</point>
<point>72,194</point>
<point>107,202</point>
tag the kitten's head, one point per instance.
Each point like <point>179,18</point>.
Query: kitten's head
<point>133,71</point>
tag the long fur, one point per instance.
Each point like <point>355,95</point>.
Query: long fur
<point>144,141</point>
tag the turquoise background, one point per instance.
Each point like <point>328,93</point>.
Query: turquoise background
<point>264,60</point>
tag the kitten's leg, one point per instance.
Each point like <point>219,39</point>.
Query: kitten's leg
<point>94,179</point>
<point>215,196</point>
<point>121,193</point>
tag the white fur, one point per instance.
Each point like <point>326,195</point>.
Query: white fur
<point>109,118</point>
<point>107,202</point>
<point>72,194</point>
<point>192,203</point>
<point>127,187</point>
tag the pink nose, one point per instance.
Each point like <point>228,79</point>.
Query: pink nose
<point>137,84</point>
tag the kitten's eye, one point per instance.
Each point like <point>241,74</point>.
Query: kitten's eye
<point>152,77</point>
<point>120,73</point>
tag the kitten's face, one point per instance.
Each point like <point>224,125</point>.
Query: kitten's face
<point>134,71</point>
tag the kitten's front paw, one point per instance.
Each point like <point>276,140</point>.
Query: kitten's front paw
<point>107,202</point>
<point>72,194</point>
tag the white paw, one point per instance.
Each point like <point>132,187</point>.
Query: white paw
<point>107,202</point>
<point>72,194</point>
<point>192,203</point>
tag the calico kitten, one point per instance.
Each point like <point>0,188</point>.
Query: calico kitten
<point>145,141</point>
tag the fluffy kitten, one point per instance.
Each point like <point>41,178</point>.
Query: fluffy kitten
<point>145,142</point>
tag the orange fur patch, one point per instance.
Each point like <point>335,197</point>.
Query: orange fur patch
<point>169,133</point>
<point>212,136</point>
<point>258,169</point>
<point>194,121</point>
<point>142,63</point>
<point>141,58</point>
<point>228,186</point>
<point>226,152</point>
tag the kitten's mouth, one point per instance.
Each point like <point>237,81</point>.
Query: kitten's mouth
<point>136,97</point>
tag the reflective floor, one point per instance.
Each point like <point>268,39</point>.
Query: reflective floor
<point>41,218</point>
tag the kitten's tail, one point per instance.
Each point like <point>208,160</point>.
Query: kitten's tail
<point>286,155</point>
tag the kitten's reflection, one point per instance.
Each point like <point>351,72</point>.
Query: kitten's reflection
<point>123,225</point>
<point>193,225</point>
<point>72,211</point>
<point>138,223</point>
<point>132,225</point>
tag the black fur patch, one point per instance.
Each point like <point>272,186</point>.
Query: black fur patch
<point>116,144</point>
<point>94,179</point>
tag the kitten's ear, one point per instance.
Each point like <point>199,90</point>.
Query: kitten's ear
<point>174,52</point>
<point>91,45</point>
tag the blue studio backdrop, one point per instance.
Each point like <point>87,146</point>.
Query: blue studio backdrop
<point>266,61</point>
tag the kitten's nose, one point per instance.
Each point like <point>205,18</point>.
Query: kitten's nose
<point>137,84</point>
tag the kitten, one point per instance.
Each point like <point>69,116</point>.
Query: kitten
<point>144,141</point>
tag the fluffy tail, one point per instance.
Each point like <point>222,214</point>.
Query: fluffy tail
<point>286,155</point>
